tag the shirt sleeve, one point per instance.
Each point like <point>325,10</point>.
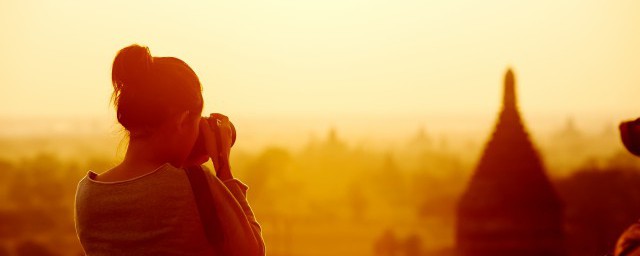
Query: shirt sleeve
<point>239,192</point>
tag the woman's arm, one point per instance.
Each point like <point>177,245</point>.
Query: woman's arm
<point>218,147</point>
<point>239,192</point>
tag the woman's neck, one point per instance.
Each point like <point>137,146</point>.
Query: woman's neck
<point>143,153</point>
<point>143,156</point>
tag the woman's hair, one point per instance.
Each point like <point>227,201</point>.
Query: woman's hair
<point>147,90</point>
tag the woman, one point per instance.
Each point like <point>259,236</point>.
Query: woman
<point>146,205</point>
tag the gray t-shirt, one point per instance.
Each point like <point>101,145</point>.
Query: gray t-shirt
<point>156,214</point>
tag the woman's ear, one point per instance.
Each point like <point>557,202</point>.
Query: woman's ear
<point>183,120</point>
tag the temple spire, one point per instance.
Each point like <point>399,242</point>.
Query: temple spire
<point>510,206</point>
<point>509,100</point>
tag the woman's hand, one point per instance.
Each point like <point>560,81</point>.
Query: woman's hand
<point>218,148</point>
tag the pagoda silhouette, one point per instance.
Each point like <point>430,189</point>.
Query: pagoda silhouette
<point>510,207</point>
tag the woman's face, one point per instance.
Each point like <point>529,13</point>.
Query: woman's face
<point>183,138</point>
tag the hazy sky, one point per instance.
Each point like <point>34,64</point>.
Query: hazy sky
<point>333,59</point>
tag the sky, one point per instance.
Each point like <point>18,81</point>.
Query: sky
<point>335,63</point>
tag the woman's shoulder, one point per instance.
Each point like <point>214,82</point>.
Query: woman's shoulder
<point>227,184</point>
<point>167,184</point>
<point>123,174</point>
<point>164,179</point>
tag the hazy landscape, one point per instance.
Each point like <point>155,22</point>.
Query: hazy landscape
<point>360,123</point>
<point>354,195</point>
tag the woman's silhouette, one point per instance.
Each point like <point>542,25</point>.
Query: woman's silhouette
<point>146,204</point>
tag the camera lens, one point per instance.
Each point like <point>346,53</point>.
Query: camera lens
<point>630,135</point>
<point>233,133</point>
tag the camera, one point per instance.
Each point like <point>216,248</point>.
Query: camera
<point>199,148</point>
<point>630,135</point>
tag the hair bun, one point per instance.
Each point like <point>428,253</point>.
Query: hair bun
<point>130,67</point>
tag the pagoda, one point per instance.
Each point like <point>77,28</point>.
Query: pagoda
<point>510,207</point>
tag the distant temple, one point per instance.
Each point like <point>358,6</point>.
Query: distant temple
<point>510,206</point>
